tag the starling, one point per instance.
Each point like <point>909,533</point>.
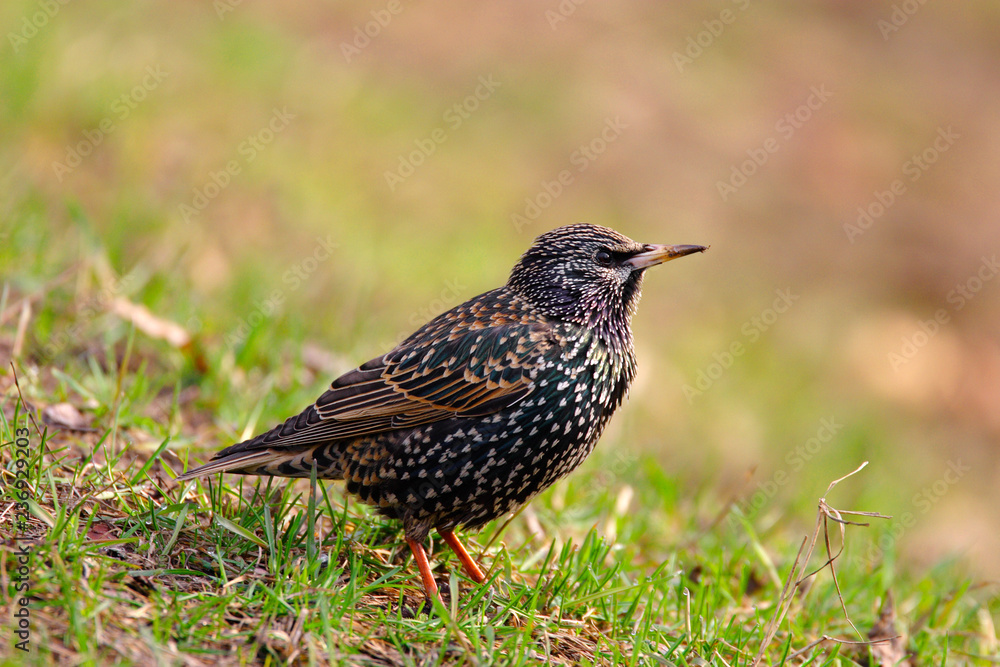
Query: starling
<point>483,407</point>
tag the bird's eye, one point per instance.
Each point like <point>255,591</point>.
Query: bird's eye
<point>603,257</point>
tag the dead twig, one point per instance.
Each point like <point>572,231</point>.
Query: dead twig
<point>20,396</point>
<point>797,579</point>
<point>846,642</point>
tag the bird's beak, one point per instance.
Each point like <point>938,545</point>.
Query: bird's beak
<point>657,254</point>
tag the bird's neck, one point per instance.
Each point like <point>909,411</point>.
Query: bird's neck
<point>613,330</point>
<point>609,321</point>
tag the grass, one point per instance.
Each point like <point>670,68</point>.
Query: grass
<point>622,563</point>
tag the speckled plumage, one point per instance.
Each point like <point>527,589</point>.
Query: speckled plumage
<point>486,405</point>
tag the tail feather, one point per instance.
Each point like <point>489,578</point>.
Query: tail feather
<point>273,453</point>
<point>245,462</point>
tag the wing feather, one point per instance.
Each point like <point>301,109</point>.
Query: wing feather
<point>427,378</point>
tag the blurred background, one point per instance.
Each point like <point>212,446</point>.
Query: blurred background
<point>300,184</point>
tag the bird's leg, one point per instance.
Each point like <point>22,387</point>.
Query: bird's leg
<point>471,568</point>
<point>420,555</point>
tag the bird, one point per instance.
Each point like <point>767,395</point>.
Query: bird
<point>485,406</point>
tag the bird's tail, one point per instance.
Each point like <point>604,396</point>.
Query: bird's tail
<point>290,449</point>
<point>274,461</point>
<point>253,462</point>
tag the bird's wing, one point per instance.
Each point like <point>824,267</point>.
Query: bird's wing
<point>472,372</point>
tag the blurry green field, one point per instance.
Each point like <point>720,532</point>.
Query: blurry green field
<point>297,207</point>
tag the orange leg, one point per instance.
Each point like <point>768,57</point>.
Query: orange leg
<point>470,565</point>
<point>419,555</point>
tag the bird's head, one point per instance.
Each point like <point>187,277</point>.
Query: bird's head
<point>587,274</point>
